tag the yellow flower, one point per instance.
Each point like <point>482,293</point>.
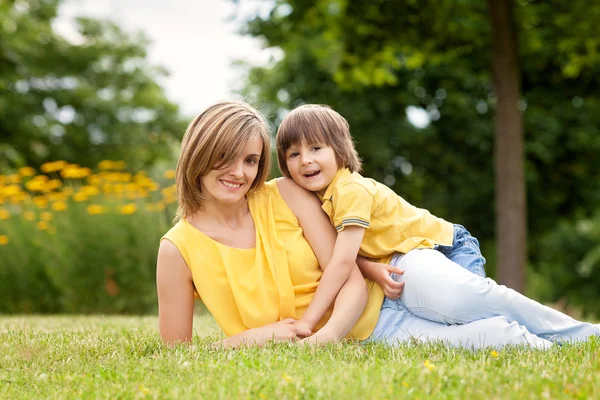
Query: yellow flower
<point>42,225</point>
<point>4,214</point>
<point>68,191</point>
<point>40,201</point>
<point>54,184</point>
<point>29,215</point>
<point>26,171</point>
<point>404,383</point>
<point>14,178</point>
<point>429,365</point>
<point>79,197</point>
<point>169,174</point>
<point>53,166</point>
<point>10,190</point>
<point>90,190</point>
<point>105,164</point>
<point>59,206</point>
<point>494,353</point>
<point>286,377</point>
<point>128,209</point>
<point>95,209</point>
<point>144,390</point>
<point>46,216</point>
<point>119,165</point>
<point>36,185</point>
<point>3,240</point>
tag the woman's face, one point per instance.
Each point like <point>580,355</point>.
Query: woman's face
<point>230,184</point>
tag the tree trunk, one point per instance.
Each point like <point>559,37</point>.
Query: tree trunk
<point>511,208</point>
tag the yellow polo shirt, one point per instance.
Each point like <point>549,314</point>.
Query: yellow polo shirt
<point>392,224</point>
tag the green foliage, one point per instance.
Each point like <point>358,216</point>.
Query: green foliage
<point>570,259</point>
<point>371,60</point>
<point>81,101</point>
<point>116,357</point>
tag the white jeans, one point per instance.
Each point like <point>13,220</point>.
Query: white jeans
<point>443,301</point>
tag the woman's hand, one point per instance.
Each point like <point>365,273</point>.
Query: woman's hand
<point>382,276</point>
<point>288,329</point>
<point>281,331</point>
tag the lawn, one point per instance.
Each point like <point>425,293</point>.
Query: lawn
<point>122,357</point>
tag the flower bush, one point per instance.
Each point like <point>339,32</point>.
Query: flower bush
<point>78,240</point>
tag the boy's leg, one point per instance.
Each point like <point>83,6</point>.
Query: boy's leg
<point>398,325</point>
<point>440,290</point>
<point>465,251</point>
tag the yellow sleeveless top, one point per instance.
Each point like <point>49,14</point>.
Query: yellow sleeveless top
<point>250,288</point>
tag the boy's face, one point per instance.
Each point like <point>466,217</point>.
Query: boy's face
<point>312,166</point>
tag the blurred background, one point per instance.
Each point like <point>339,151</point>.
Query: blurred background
<point>485,113</point>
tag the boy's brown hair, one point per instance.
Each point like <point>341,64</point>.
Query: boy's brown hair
<point>213,140</point>
<point>316,123</point>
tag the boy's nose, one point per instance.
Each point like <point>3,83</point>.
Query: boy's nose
<point>306,160</point>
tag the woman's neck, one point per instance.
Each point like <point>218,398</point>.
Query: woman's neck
<point>230,215</point>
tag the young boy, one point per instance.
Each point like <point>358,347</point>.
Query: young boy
<point>315,149</point>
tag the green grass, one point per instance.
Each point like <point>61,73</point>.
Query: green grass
<point>122,357</point>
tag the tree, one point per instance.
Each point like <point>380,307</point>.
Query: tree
<point>511,204</point>
<point>83,102</point>
<point>372,60</point>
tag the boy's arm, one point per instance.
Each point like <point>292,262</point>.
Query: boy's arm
<point>322,238</point>
<point>335,274</point>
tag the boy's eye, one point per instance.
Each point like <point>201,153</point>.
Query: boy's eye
<point>316,148</point>
<point>293,154</point>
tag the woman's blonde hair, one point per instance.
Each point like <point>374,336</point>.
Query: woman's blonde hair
<point>316,123</point>
<point>213,140</point>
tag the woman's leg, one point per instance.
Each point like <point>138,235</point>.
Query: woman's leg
<point>439,290</point>
<point>398,325</point>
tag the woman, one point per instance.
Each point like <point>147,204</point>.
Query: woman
<point>252,252</point>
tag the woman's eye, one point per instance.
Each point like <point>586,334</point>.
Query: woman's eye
<point>251,161</point>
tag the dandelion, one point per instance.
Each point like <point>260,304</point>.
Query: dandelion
<point>144,390</point>
<point>128,209</point>
<point>10,190</point>
<point>26,171</point>
<point>59,206</point>
<point>53,166</point>
<point>80,197</point>
<point>46,216</point>
<point>494,353</point>
<point>4,214</point>
<point>105,164</point>
<point>3,240</point>
<point>95,209</point>
<point>90,190</point>
<point>169,174</point>
<point>429,365</point>
<point>42,225</point>
<point>40,201</point>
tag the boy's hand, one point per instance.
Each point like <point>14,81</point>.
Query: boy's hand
<point>302,328</point>
<point>391,288</point>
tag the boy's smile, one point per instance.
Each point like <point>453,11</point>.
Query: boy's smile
<point>312,166</point>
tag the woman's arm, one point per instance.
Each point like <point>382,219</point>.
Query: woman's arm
<point>322,237</point>
<point>175,295</point>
